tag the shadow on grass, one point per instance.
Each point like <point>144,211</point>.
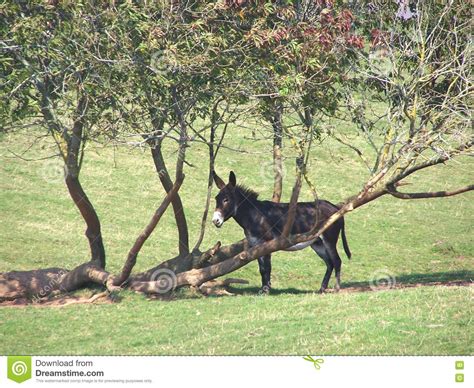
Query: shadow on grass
<point>415,279</point>
<point>459,278</point>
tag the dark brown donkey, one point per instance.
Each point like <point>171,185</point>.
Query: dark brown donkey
<point>264,220</point>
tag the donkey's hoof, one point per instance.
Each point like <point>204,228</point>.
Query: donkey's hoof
<point>265,290</point>
<point>321,291</point>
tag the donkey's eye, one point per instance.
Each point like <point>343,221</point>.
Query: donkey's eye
<point>225,200</point>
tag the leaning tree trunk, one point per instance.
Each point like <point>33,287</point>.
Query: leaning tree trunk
<point>177,204</point>
<point>38,284</point>
<point>155,142</point>
<point>137,246</point>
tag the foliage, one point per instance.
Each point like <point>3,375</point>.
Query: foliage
<point>49,63</point>
<point>418,66</point>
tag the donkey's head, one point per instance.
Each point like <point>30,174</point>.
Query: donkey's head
<point>226,203</point>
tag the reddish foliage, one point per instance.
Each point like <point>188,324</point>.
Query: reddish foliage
<point>280,34</point>
<point>325,38</point>
<point>325,3</point>
<point>309,31</point>
<point>344,20</point>
<point>334,28</point>
<point>235,3</point>
<point>377,37</point>
<point>326,18</point>
<point>355,41</point>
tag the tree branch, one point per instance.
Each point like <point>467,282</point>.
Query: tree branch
<point>429,163</point>
<point>391,189</point>
<point>132,255</point>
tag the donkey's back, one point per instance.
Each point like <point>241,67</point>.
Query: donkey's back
<point>308,215</point>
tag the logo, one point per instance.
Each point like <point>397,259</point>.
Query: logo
<point>19,368</point>
<point>382,280</point>
<point>459,364</point>
<point>165,280</point>
<point>53,171</point>
<point>459,378</point>
<point>316,362</point>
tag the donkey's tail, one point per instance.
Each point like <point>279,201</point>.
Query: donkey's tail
<point>344,241</point>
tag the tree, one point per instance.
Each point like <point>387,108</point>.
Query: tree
<point>427,122</point>
<point>84,78</point>
<point>211,59</point>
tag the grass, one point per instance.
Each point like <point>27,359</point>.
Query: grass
<point>431,320</point>
<point>413,241</point>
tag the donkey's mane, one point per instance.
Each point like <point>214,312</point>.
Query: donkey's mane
<point>246,192</point>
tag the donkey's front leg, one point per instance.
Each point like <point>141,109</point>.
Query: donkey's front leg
<point>265,266</point>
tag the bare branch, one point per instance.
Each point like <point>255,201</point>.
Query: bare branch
<point>430,194</point>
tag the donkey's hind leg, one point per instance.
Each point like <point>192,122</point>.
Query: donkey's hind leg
<point>320,249</point>
<point>335,258</point>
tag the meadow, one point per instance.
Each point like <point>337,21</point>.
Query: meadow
<point>425,246</point>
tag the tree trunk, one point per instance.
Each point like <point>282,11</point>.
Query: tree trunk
<point>132,255</point>
<point>93,231</point>
<point>212,256</point>
<point>210,181</point>
<point>277,145</point>
<point>74,143</point>
<point>38,284</point>
<point>177,204</point>
<point>166,181</point>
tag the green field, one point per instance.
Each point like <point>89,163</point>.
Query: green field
<point>416,242</point>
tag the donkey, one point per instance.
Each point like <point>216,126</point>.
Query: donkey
<point>264,220</point>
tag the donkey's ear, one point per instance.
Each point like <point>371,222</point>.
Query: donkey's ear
<point>232,179</point>
<point>218,181</point>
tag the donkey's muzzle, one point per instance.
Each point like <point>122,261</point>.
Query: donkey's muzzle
<point>217,219</point>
